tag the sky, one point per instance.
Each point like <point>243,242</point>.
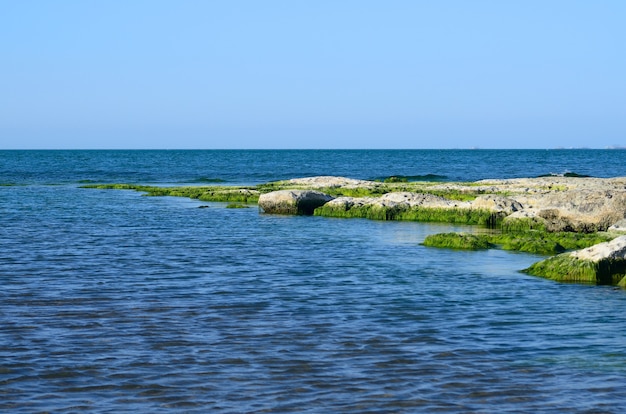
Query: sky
<point>196,74</point>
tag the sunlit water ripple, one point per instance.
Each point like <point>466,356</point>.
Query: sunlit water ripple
<point>115,302</point>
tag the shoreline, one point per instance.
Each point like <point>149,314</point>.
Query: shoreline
<point>536,213</point>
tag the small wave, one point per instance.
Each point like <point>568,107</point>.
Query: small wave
<point>411,178</point>
<point>567,174</point>
<point>208,180</point>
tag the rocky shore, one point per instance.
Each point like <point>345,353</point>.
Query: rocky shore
<point>550,203</point>
<point>540,215</point>
<point>540,205</point>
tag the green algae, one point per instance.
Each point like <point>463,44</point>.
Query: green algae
<point>533,246</point>
<point>236,205</point>
<point>561,268</point>
<point>204,193</point>
<point>523,224</point>
<point>566,268</point>
<point>404,213</point>
<point>455,195</point>
<point>241,196</point>
<point>356,192</point>
<point>461,241</point>
<point>539,242</point>
<point>487,241</point>
<point>560,241</point>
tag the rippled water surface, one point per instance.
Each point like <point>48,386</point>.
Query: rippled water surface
<point>115,302</point>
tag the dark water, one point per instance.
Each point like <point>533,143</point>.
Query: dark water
<point>251,167</point>
<point>114,302</point>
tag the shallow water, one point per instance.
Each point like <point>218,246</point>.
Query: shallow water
<point>116,302</point>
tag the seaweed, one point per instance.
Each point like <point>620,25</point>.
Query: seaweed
<point>204,193</point>
<point>461,241</point>
<point>566,268</point>
<point>405,213</point>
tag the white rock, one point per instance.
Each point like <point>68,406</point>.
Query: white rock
<point>619,226</point>
<point>615,249</point>
<point>332,182</point>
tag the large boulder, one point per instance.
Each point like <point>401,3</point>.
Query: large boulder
<point>294,202</point>
<point>604,263</point>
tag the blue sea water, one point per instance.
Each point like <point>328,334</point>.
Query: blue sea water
<point>115,302</point>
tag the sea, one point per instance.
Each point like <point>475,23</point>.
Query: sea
<point>114,302</point>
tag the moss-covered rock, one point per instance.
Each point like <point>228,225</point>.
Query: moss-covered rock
<point>552,204</point>
<point>523,221</point>
<point>604,263</point>
<point>462,241</point>
<point>536,246</point>
<point>532,241</point>
<point>204,193</point>
<point>566,268</point>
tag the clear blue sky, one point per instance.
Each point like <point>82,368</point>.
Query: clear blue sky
<point>312,74</point>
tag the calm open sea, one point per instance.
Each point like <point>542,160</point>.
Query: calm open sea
<point>115,302</point>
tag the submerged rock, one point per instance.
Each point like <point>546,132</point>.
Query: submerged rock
<point>604,263</point>
<point>299,202</point>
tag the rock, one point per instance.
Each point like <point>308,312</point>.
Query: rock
<point>325,181</point>
<point>414,200</point>
<point>300,202</point>
<point>523,220</point>
<point>604,263</point>
<point>552,204</point>
<point>346,203</point>
<point>398,199</point>
<point>619,226</point>
<point>613,250</point>
<point>497,203</point>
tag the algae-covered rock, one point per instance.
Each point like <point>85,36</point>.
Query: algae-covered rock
<point>462,241</point>
<point>532,245</point>
<point>523,221</point>
<point>604,263</point>
<point>300,202</point>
